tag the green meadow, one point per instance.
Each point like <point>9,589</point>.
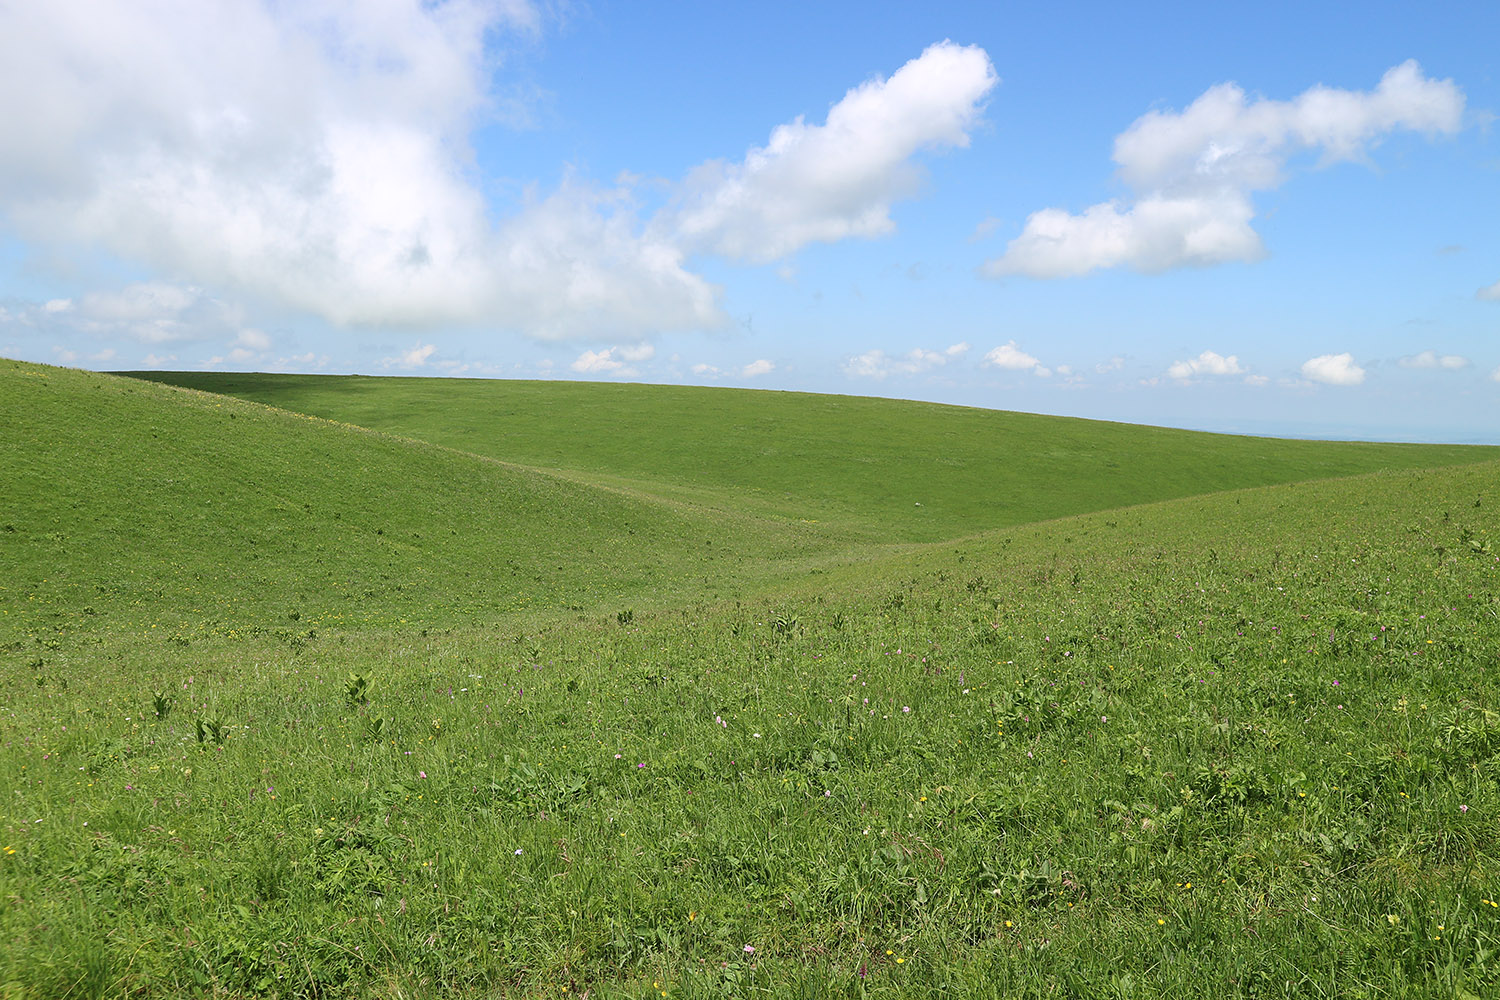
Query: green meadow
<point>354,687</point>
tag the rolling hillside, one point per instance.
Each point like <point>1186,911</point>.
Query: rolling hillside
<point>887,469</point>
<point>139,506</point>
<point>295,708</point>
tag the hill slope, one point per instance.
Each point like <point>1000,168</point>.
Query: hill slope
<point>139,505</point>
<point>888,469</point>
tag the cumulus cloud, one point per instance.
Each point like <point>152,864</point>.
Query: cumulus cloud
<point>1194,172</point>
<point>824,183</point>
<point>756,368</point>
<point>877,364</point>
<point>1011,358</point>
<point>1333,369</point>
<point>1207,363</point>
<point>1489,293</point>
<point>339,183</point>
<point>1431,359</point>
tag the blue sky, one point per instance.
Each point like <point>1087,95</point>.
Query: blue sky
<point>1273,219</point>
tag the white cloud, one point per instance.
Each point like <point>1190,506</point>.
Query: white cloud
<point>417,357</point>
<point>1489,293</point>
<point>1495,374</point>
<point>155,360</point>
<point>637,352</point>
<point>613,360</point>
<point>1207,363</point>
<point>339,183</point>
<point>598,363</point>
<point>1431,359</point>
<point>755,368</point>
<point>1012,358</point>
<point>958,350</point>
<point>1333,369</point>
<point>705,369</point>
<point>253,340</point>
<point>824,183</point>
<point>1113,364</point>
<point>1194,172</point>
<point>146,312</point>
<point>879,365</point>
<point>1257,380</point>
<point>67,356</point>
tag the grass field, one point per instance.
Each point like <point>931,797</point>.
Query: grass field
<point>546,707</point>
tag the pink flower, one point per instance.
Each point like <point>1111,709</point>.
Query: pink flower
<point>1463,809</point>
<point>749,949</point>
<point>421,774</point>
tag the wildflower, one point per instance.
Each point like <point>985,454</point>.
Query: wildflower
<point>518,850</point>
<point>1392,919</point>
<point>1463,809</point>
<point>905,708</point>
<point>640,765</point>
<point>749,949</point>
<point>421,774</point>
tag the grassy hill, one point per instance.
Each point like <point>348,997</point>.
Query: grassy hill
<point>395,735</point>
<point>888,469</point>
<point>135,506</point>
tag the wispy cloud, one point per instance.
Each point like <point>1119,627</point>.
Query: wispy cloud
<point>617,361</point>
<point>877,364</point>
<point>1431,359</point>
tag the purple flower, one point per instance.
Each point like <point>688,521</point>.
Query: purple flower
<point>906,708</point>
